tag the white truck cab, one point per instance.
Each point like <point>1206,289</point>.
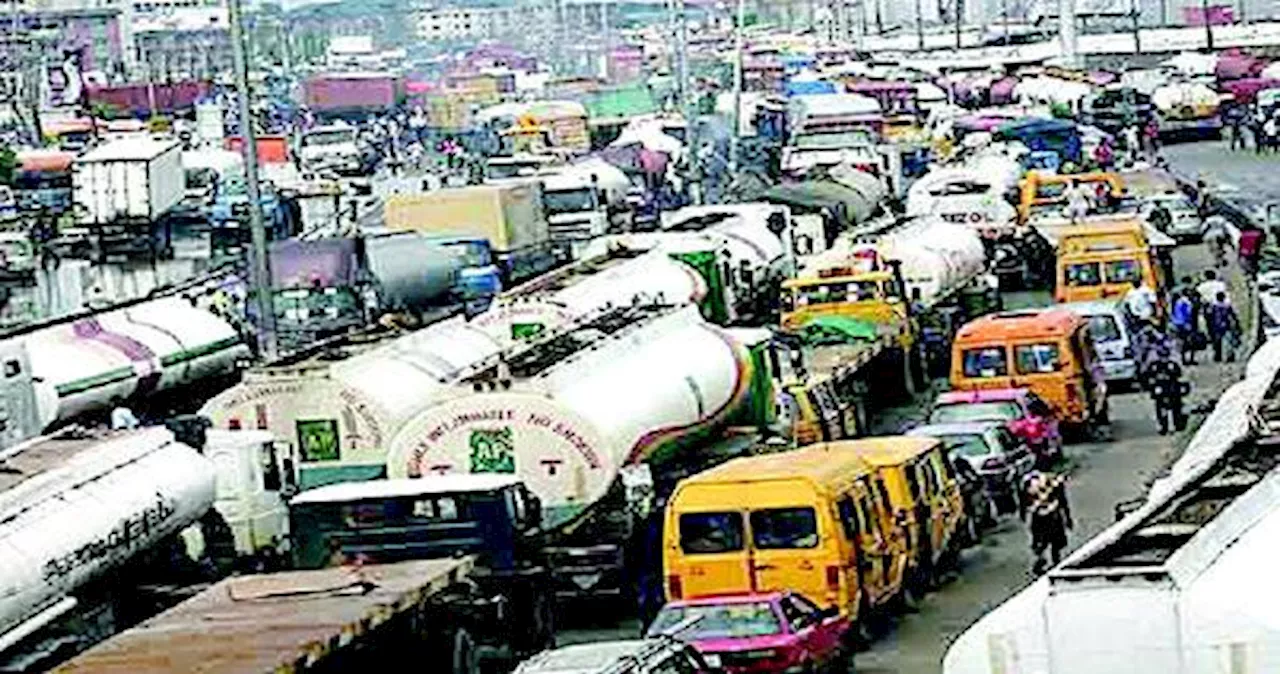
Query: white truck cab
<point>254,476</point>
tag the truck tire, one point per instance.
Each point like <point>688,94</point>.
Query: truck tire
<point>465,659</point>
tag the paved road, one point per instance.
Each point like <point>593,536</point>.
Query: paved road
<point>1103,475</point>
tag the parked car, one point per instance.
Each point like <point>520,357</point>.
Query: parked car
<point>658,655</point>
<point>761,633</point>
<point>1269,299</point>
<point>1000,458</point>
<point>1185,221</point>
<point>995,404</point>
<point>1111,340</point>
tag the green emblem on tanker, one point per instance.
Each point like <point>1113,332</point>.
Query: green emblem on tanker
<point>493,450</point>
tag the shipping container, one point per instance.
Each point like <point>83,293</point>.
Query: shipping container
<point>510,217</point>
<point>351,92</point>
<point>129,179</point>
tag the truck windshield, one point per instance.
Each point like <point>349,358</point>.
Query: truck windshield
<point>470,253</point>
<point>505,171</point>
<point>333,137</point>
<point>831,293</point>
<point>834,141</point>
<point>569,201</point>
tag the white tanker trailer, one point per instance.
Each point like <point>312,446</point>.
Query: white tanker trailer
<point>88,364</point>
<point>75,509</point>
<point>965,196</point>
<point>937,259</point>
<point>590,423</point>
<point>1184,583</point>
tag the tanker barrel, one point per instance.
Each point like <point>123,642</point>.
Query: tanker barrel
<point>190,429</point>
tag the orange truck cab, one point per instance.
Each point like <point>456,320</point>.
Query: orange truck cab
<point>1100,261</point>
<point>815,521</point>
<point>1048,351</point>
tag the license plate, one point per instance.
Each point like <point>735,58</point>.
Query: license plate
<point>712,660</point>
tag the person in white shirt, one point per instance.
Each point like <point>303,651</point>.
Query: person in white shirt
<point>1210,287</point>
<point>1140,301</point>
<point>123,418</point>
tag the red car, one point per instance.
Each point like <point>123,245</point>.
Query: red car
<point>772,633</point>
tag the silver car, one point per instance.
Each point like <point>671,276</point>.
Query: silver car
<point>994,453</point>
<point>1184,220</point>
<point>1111,340</point>
<point>657,655</point>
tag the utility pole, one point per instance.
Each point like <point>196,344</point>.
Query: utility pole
<point>1208,25</point>
<point>919,25</point>
<point>739,49</point>
<point>1136,12</point>
<point>1004,16</point>
<point>1067,31</point>
<point>260,270</point>
<point>959,7</point>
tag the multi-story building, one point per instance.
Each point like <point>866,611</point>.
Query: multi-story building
<point>180,42</point>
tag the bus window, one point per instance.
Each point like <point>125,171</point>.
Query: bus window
<point>1084,274</point>
<point>986,362</point>
<point>1037,358</point>
<point>1123,271</point>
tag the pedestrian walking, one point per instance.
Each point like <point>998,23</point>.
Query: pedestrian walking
<point>1160,217</point>
<point>1151,134</point>
<point>1140,303</point>
<point>1210,287</point>
<point>1168,391</point>
<point>1183,320</point>
<point>1224,328</point>
<point>1048,514</point>
<point>1216,238</point>
<point>1270,130</point>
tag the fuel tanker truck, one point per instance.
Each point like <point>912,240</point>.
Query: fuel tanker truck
<point>86,515</point>
<point>1182,582</point>
<point>594,422</point>
<point>875,313</point>
<point>92,362</point>
<point>338,409</point>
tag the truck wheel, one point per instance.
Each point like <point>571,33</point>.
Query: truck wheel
<point>465,660</point>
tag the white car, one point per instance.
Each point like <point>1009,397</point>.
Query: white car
<point>1111,340</point>
<point>1184,220</point>
<point>1269,299</point>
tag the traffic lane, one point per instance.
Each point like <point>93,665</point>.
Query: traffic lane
<point>1250,173</point>
<point>1101,476</point>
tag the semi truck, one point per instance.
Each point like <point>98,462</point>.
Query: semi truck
<point>351,95</point>
<point>120,504</point>
<point>87,364</point>
<point>340,407</point>
<point>122,193</point>
<point>335,147</point>
<point>549,415</point>
<point>135,512</point>
<point>327,287</point>
<point>510,216</point>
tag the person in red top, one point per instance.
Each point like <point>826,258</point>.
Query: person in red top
<point>1250,248</point>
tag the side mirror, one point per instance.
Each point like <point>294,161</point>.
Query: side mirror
<point>828,613</point>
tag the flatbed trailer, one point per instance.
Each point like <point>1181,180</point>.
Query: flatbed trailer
<point>328,620</point>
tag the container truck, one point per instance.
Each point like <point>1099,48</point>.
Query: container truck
<point>831,129</point>
<point>584,201</point>
<point>123,192</point>
<point>353,95</point>
<point>509,216</point>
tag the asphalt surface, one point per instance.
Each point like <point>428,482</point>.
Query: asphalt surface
<point>1102,474</point>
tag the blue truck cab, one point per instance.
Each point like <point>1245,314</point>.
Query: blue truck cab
<point>479,278</point>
